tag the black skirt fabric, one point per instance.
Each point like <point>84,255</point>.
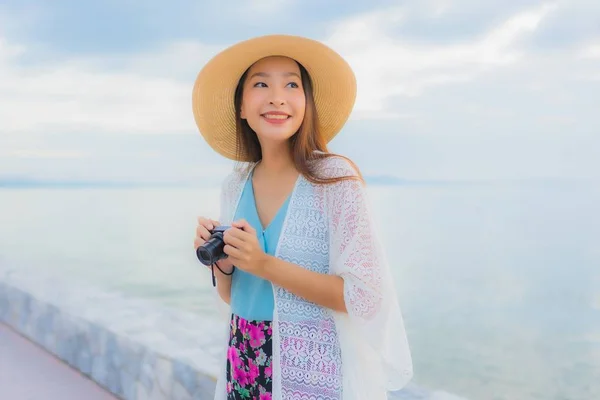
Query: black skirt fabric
<point>249,359</point>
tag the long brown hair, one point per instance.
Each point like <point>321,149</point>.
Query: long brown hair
<point>306,145</point>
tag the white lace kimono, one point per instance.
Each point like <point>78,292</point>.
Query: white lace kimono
<point>319,353</point>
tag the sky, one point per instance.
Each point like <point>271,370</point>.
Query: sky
<point>447,90</point>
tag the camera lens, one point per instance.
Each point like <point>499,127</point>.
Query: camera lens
<point>204,256</point>
<point>211,251</point>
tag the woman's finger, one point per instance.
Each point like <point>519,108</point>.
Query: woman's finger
<point>244,226</point>
<point>202,231</point>
<point>198,242</point>
<point>240,234</point>
<point>232,252</point>
<point>207,223</point>
<point>236,242</point>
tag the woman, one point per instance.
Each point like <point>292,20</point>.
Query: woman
<point>313,310</point>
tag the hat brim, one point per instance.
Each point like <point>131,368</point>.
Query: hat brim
<point>334,86</point>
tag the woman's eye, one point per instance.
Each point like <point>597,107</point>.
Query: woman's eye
<point>262,84</point>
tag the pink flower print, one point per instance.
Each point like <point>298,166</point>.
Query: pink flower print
<point>243,324</point>
<point>237,373</point>
<point>240,376</point>
<point>234,357</point>
<point>265,396</point>
<point>253,373</point>
<point>270,331</point>
<point>257,336</point>
<point>229,387</point>
<point>268,371</point>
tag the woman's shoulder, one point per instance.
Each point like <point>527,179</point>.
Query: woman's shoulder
<point>236,177</point>
<point>332,166</point>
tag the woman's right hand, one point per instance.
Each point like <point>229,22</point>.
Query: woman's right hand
<point>205,225</point>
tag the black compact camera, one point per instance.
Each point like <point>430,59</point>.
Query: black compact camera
<point>212,250</point>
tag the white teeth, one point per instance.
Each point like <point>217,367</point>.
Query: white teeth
<point>269,116</point>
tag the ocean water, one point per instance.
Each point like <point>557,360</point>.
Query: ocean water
<point>499,283</point>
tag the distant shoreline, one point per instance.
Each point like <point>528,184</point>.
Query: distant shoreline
<point>212,183</point>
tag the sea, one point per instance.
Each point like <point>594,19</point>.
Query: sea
<point>499,282</point>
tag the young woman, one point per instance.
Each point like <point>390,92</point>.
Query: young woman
<point>313,313</point>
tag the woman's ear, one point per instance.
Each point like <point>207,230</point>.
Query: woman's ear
<point>242,113</point>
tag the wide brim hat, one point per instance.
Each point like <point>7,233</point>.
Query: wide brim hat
<point>333,81</point>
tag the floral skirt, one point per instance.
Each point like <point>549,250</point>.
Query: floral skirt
<point>249,356</point>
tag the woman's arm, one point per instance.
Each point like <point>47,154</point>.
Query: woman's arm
<point>323,289</point>
<point>224,281</point>
<point>223,286</point>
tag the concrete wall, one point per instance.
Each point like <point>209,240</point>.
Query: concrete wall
<point>136,349</point>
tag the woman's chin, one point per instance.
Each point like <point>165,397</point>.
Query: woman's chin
<point>274,138</point>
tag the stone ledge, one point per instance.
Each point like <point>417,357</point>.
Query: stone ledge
<point>135,349</point>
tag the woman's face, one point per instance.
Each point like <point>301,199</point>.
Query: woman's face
<point>273,100</point>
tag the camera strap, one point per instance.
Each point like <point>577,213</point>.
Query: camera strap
<point>212,270</point>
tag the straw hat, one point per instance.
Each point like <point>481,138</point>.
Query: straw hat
<point>334,86</point>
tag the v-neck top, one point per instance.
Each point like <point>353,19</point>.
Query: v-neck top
<point>252,297</point>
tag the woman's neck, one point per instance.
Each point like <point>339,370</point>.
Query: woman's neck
<point>276,161</point>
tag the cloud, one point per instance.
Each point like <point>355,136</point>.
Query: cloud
<point>387,67</point>
<point>9,52</point>
<point>179,60</point>
<point>41,154</point>
<point>264,8</point>
<point>591,51</point>
<point>149,93</point>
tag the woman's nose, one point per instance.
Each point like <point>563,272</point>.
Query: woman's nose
<point>277,97</point>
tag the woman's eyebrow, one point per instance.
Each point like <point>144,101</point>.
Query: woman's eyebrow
<point>265,75</point>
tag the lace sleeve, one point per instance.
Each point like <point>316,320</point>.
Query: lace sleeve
<point>356,254</point>
<point>353,244</point>
<point>355,258</point>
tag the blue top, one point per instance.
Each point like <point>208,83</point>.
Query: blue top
<point>252,297</point>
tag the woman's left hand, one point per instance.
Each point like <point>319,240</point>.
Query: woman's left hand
<point>242,247</point>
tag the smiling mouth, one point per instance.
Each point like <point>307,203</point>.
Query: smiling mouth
<point>277,117</point>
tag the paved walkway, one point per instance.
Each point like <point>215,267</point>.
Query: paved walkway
<point>28,372</point>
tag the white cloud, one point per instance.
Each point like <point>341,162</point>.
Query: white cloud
<point>265,6</point>
<point>591,51</point>
<point>503,37</point>
<point>255,12</point>
<point>180,60</point>
<point>147,94</point>
<point>386,66</point>
<point>9,52</point>
<point>43,153</point>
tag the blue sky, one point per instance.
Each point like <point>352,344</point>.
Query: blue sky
<point>447,89</point>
